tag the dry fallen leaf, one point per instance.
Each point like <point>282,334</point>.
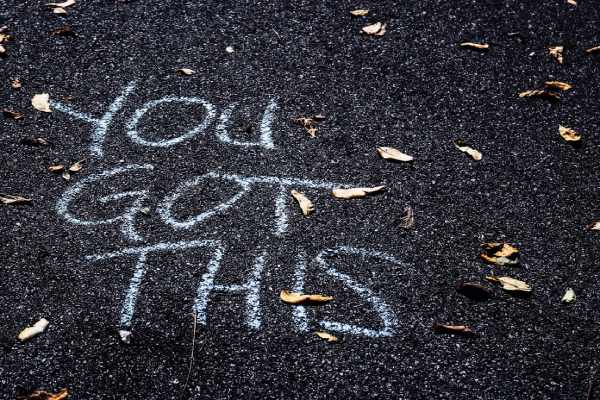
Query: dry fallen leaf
<point>540,93</point>
<point>558,85</point>
<point>476,46</point>
<point>569,296</point>
<point>390,153</point>
<point>76,167</point>
<point>594,226</point>
<point>593,50</point>
<point>569,134</point>
<point>462,146</point>
<point>376,29</point>
<point>500,254</point>
<point>15,83</point>
<point>355,192</point>
<point>510,284</point>
<point>308,123</point>
<point>59,11</point>
<point>453,329</point>
<point>35,142</point>
<point>327,336</point>
<point>299,298</point>
<point>63,31</point>
<point>12,199</point>
<point>185,71</point>
<point>305,204</point>
<point>41,102</point>
<point>4,37</point>
<point>65,4</point>
<point>2,50</point>
<point>66,175</point>
<point>56,168</point>
<point>16,115</point>
<point>408,219</point>
<point>34,330</point>
<point>572,2</point>
<point>359,13</point>
<point>557,53</point>
<point>474,291</point>
<point>43,395</point>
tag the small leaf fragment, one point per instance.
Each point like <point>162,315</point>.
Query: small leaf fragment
<point>572,2</point>
<point>12,199</point>
<point>66,175</point>
<point>56,168</point>
<point>500,254</point>
<point>569,134</point>
<point>16,115</point>
<point>462,146</point>
<point>462,330</point>
<point>300,298</point>
<point>510,284</point>
<point>558,85</point>
<point>569,296</point>
<point>593,50</point>
<point>185,71</point>
<point>309,123</point>
<point>390,153</point>
<point>355,192</point>
<point>360,13</point>
<point>305,204</point>
<point>327,336</point>
<point>408,219</point>
<point>59,11</point>
<point>557,53</point>
<point>474,291</point>
<point>229,49</point>
<point>34,330</point>
<point>63,31</point>
<point>15,83</point>
<point>41,102</point>
<point>540,93</point>
<point>65,4</point>
<point>76,167</point>
<point>376,29</point>
<point>476,46</point>
<point>43,395</point>
<point>594,226</point>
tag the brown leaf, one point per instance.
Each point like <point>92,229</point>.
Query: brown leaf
<point>12,199</point>
<point>510,284</point>
<point>500,254</point>
<point>185,71</point>
<point>15,83</point>
<point>474,291</point>
<point>359,13</point>
<point>300,298</point>
<point>569,134</point>
<point>376,29</point>
<point>462,146</point>
<point>454,329</point>
<point>558,85</point>
<point>43,395</point>
<point>305,204</point>
<point>56,168</point>
<point>65,4</point>
<point>309,123</point>
<point>13,114</point>
<point>76,167</point>
<point>41,102</point>
<point>34,330</point>
<point>355,192</point>
<point>476,46</point>
<point>63,31</point>
<point>557,53</point>
<point>540,93</point>
<point>327,336</point>
<point>390,153</point>
<point>408,219</point>
<point>4,37</point>
<point>594,226</point>
<point>593,50</point>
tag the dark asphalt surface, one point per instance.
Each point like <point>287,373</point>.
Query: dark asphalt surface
<point>413,89</point>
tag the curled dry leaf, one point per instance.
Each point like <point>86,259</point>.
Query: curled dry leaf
<point>12,199</point>
<point>510,284</point>
<point>408,219</point>
<point>76,167</point>
<point>15,83</point>
<point>229,49</point>
<point>359,13</point>
<point>41,102</point>
<point>16,115</point>
<point>454,329</point>
<point>185,71</point>
<point>64,4</point>
<point>305,204</point>
<point>465,148</point>
<point>476,46</point>
<point>594,226</point>
<point>63,31</point>
<point>309,123</point>
<point>355,192</point>
<point>474,291</point>
<point>558,85</point>
<point>390,153</point>
<point>557,53</point>
<point>572,2</point>
<point>56,168</point>
<point>540,93</point>
<point>59,11</point>
<point>569,296</point>
<point>569,134</point>
<point>499,254</point>
<point>327,336</point>
<point>34,330</point>
<point>300,298</point>
<point>43,395</point>
<point>593,50</point>
<point>4,37</point>
<point>376,29</point>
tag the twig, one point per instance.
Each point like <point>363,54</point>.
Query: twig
<point>590,384</point>
<point>191,354</point>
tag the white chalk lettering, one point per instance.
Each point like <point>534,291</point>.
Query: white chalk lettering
<point>265,140</point>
